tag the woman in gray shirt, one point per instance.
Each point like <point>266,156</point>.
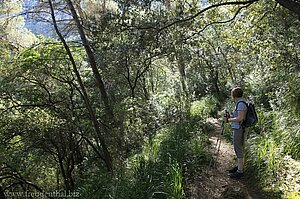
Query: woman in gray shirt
<point>239,132</point>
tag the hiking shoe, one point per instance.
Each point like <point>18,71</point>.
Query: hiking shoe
<point>233,170</point>
<point>236,175</point>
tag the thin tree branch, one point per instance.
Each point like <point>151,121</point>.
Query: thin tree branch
<point>218,22</point>
<point>206,9</point>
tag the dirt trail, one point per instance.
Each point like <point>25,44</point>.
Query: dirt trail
<point>215,183</point>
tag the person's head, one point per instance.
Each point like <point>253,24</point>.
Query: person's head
<point>237,92</point>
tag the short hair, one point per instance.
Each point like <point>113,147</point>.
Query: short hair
<point>237,92</point>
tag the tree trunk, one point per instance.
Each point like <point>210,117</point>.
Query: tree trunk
<point>106,155</point>
<point>215,80</point>
<point>92,61</point>
<point>63,172</point>
<point>181,68</point>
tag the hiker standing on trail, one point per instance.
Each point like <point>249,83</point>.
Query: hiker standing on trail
<point>239,131</point>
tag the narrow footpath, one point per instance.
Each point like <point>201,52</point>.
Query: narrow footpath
<point>214,183</point>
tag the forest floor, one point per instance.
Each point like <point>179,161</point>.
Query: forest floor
<point>215,183</point>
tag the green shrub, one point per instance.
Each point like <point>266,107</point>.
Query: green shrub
<point>206,107</point>
<point>291,136</point>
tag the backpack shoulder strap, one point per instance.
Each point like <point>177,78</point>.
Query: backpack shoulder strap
<point>242,123</point>
<point>240,102</point>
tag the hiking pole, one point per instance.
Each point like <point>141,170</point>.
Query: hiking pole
<point>227,115</point>
<point>218,144</point>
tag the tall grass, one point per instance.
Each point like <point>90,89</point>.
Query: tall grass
<point>158,171</point>
<point>175,180</point>
<point>291,133</point>
<point>273,158</point>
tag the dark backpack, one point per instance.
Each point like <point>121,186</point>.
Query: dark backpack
<point>251,116</point>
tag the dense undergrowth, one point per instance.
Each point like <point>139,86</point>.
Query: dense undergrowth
<point>273,155</point>
<point>160,170</point>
